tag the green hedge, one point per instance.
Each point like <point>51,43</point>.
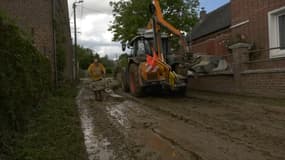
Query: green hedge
<point>25,77</point>
<point>54,131</point>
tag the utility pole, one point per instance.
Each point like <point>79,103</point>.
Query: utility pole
<point>75,72</point>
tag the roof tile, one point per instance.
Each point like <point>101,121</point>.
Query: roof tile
<point>214,21</point>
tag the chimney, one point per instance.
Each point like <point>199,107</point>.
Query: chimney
<point>203,14</point>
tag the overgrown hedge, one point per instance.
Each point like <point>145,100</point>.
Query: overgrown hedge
<point>25,77</point>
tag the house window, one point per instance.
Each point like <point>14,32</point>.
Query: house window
<point>281,20</point>
<point>276,20</point>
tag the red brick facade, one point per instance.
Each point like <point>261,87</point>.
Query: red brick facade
<point>249,23</point>
<point>35,17</point>
<point>263,75</point>
<point>256,30</point>
<point>213,44</point>
<point>256,11</point>
<point>265,84</point>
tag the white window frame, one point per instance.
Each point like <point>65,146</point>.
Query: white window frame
<point>273,31</point>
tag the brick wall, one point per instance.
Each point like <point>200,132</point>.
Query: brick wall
<point>256,30</point>
<point>35,18</point>
<point>62,18</point>
<point>214,44</point>
<point>256,11</point>
<point>213,83</point>
<point>263,76</point>
<point>68,45</point>
<point>268,84</point>
<point>264,83</point>
<point>254,14</point>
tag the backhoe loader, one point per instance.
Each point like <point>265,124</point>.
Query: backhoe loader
<point>151,64</point>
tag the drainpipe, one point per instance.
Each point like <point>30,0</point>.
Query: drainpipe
<point>54,43</point>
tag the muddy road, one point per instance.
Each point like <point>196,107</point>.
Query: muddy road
<point>196,127</point>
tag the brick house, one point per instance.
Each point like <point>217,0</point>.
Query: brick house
<point>210,34</point>
<point>47,22</point>
<point>261,67</point>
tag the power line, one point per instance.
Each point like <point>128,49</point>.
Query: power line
<point>94,10</point>
<point>87,8</point>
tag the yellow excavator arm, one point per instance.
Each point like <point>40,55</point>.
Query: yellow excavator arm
<point>158,20</point>
<point>161,21</point>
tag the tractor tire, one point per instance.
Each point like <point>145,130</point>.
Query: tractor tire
<point>182,91</point>
<point>134,81</point>
<point>124,82</point>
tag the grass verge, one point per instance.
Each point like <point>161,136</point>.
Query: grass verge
<point>54,132</point>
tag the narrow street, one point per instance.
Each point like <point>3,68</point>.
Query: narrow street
<point>195,127</point>
<point>142,80</point>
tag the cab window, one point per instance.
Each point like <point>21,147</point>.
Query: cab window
<point>140,48</point>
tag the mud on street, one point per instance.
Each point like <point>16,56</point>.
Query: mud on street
<point>195,127</point>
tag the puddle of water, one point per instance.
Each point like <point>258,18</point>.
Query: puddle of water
<point>119,112</point>
<point>96,146</point>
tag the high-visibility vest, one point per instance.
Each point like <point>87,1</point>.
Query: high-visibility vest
<point>96,71</point>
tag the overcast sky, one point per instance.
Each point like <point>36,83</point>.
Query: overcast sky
<point>95,16</point>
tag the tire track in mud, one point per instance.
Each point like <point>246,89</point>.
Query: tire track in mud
<point>107,138</point>
<point>112,123</point>
<point>121,146</point>
<point>95,148</point>
<point>221,133</point>
<point>252,130</point>
<point>199,124</point>
<point>144,125</point>
<point>103,138</point>
<point>192,155</point>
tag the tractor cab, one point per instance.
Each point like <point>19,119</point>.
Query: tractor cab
<point>143,44</point>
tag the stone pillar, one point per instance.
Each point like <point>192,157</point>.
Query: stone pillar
<point>240,56</point>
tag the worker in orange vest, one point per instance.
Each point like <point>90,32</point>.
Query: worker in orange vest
<point>96,70</point>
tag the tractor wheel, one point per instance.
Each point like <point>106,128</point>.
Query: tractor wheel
<point>182,91</point>
<point>124,82</point>
<point>134,80</point>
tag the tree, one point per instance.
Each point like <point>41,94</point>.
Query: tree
<point>123,60</point>
<point>109,64</point>
<point>85,57</point>
<point>134,14</point>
